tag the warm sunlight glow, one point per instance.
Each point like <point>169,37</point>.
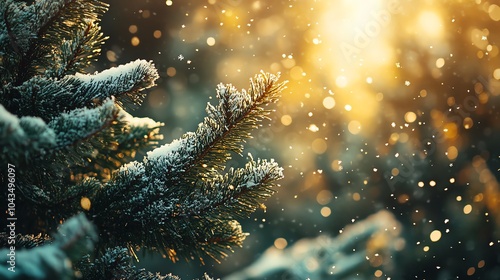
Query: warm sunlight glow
<point>430,24</point>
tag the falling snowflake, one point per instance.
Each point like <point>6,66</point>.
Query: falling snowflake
<point>181,57</point>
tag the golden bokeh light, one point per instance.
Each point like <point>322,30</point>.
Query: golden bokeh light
<point>336,165</point>
<point>210,41</point>
<point>157,34</point>
<point>135,41</point>
<point>470,271</point>
<point>410,117</point>
<point>324,197</point>
<point>356,196</point>
<point>286,120</point>
<point>319,146</point>
<point>467,209</point>
<point>354,127</point>
<point>341,81</point>
<point>452,153</point>
<point>496,74</point>
<point>468,123</point>
<point>435,235</point>
<point>85,203</point>
<point>280,243</point>
<point>132,29</point>
<point>450,130</point>
<point>171,71</point>
<point>326,211</point>
<point>494,12</point>
<point>440,62</point>
<point>328,102</point>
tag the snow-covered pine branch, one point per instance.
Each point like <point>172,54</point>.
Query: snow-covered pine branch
<point>115,263</point>
<point>29,34</point>
<point>21,138</point>
<point>50,260</point>
<point>48,97</point>
<point>66,132</point>
<point>177,196</point>
<point>22,23</point>
<point>76,53</point>
<point>224,130</point>
<point>82,123</point>
<point>376,239</point>
<point>235,194</point>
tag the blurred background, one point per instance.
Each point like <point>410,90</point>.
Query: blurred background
<point>391,105</point>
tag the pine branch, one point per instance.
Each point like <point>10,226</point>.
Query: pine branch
<point>47,97</point>
<point>360,244</point>
<point>236,194</point>
<point>72,37</point>
<point>79,134</point>
<point>21,138</point>
<point>161,203</point>
<point>22,22</point>
<point>75,238</point>
<point>68,132</point>
<point>107,129</point>
<point>115,264</point>
<point>29,34</point>
<point>76,53</point>
<point>124,140</point>
<point>138,134</point>
<point>224,130</point>
<point>30,138</point>
<point>82,124</point>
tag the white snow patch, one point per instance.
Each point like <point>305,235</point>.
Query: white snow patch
<point>111,72</point>
<point>8,118</point>
<point>133,168</point>
<point>164,150</point>
<point>135,121</point>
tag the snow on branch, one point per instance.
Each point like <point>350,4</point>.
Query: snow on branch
<point>237,193</point>
<point>107,128</point>
<point>224,130</point>
<point>208,213</point>
<point>21,24</point>
<point>138,134</point>
<point>74,239</point>
<point>370,242</point>
<point>115,263</point>
<point>83,123</point>
<point>24,137</point>
<point>178,200</point>
<point>47,97</point>
<point>74,54</point>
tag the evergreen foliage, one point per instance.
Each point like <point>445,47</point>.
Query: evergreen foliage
<point>71,141</point>
<point>358,252</point>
